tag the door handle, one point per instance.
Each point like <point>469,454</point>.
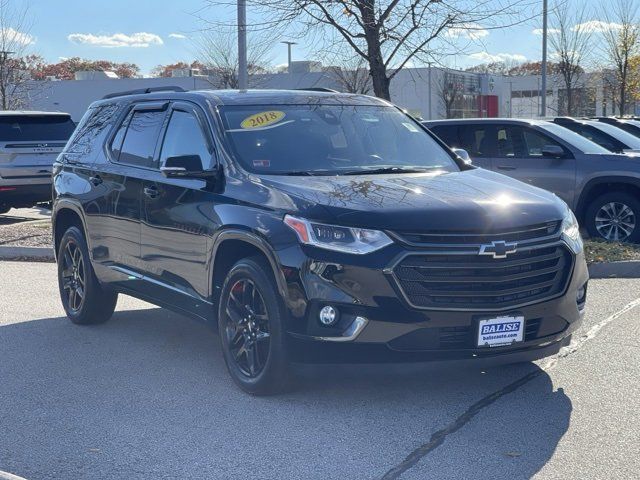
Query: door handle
<point>96,180</point>
<point>505,167</point>
<point>151,192</point>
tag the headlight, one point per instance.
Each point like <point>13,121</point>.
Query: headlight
<point>341,239</point>
<point>571,232</point>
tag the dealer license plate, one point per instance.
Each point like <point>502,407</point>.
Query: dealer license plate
<point>500,331</point>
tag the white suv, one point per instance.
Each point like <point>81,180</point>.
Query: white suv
<point>29,144</point>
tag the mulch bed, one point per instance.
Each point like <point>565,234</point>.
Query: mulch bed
<point>26,234</point>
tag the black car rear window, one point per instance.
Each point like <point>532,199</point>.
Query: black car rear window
<point>29,128</point>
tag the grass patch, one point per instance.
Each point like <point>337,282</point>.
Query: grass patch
<point>600,251</point>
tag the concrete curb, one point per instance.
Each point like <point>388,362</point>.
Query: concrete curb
<point>627,269</point>
<point>26,253</point>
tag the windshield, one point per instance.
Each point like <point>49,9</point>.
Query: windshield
<point>629,140</point>
<point>330,140</point>
<point>574,139</point>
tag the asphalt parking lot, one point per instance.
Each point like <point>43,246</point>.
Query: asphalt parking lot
<point>146,396</point>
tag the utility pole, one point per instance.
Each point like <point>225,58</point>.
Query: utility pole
<point>429,90</point>
<point>242,45</point>
<point>543,88</point>
<point>288,44</point>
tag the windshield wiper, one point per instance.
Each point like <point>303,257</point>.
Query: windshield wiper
<point>383,170</point>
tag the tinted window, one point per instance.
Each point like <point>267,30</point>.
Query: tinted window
<point>597,136</point>
<point>90,135</point>
<point>140,138</point>
<point>625,138</point>
<point>475,139</point>
<point>534,141</point>
<point>448,134</point>
<point>572,138</point>
<point>29,128</point>
<point>184,136</point>
<point>329,139</point>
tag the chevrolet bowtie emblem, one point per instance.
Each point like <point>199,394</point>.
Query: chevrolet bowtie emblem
<point>498,249</point>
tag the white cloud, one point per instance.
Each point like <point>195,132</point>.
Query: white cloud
<point>179,36</point>
<point>538,31</point>
<point>471,31</point>
<point>136,40</point>
<point>485,57</point>
<point>12,36</point>
<point>596,26</point>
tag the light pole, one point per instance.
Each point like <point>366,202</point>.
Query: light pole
<point>543,87</point>
<point>242,45</point>
<point>289,44</point>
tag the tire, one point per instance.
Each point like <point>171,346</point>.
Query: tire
<point>620,206</point>
<point>256,332</point>
<point>84,300</point>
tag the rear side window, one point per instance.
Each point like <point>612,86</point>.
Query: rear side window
<point>35,128</point>
<point>184,136</point>
<point>139,144</point>
<point>91,132</point>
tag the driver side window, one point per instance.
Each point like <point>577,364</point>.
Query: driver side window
<point>184,136</point>
<point>534,141</point>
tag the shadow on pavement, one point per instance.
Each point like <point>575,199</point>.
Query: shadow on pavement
<point>147,395</point>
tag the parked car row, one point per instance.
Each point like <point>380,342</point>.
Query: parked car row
<point>591,164</point>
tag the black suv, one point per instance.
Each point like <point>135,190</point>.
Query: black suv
<point>310,227</point>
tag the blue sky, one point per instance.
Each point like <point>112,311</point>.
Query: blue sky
<point>149,33</point>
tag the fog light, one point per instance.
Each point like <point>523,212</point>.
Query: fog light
<point>328,315</point>
<point>581,295</point>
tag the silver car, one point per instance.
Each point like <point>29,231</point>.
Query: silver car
<point>602,188</point>
<point>29,144</point>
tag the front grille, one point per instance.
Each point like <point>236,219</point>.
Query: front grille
<point>464,237</point>
<point>472,281</point>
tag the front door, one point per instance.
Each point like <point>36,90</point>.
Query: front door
<point>178,214</point>
<point>518,154</point>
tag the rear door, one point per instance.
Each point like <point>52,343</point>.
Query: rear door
<point>519,155</point>
<point>29,144</point>
<point>178,214</point>
<point>131,155</point>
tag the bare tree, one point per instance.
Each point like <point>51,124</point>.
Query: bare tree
<point>352,76</point>
<point>621,37</point>
<point>388,34</point>
<point>451,91</point>
<point>218,52</point>
<point>15,67</point>
<point>570,40</point>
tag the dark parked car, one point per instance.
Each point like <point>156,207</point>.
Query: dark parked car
<point>602,188</point>
<point>310,227</point>
<point>606,135</point>
<point>29,144</point>
<point>629,125</point>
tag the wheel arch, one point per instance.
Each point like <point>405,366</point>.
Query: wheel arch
<point>65,215</point>
<point>598,186</point>
<point>234,244</point>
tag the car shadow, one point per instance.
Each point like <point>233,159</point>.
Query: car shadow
<point>147,395</point>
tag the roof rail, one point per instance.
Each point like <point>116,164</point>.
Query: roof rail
<point>318,89</point>
<point>140,91</point>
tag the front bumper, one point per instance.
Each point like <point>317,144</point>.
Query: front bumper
<point>394,331</point>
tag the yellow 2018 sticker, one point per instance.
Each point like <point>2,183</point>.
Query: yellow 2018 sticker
<point>262,119</point>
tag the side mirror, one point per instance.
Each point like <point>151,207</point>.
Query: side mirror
<point>463,154</point>
<point>553,151</point>
<point>186,166</point>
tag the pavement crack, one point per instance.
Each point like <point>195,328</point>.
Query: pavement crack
<point>439,437</point>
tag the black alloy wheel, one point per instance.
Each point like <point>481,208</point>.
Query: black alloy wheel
<point>251,325</point>
<point>73,276</point>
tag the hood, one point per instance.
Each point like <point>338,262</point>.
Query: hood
<point>476,200</point>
